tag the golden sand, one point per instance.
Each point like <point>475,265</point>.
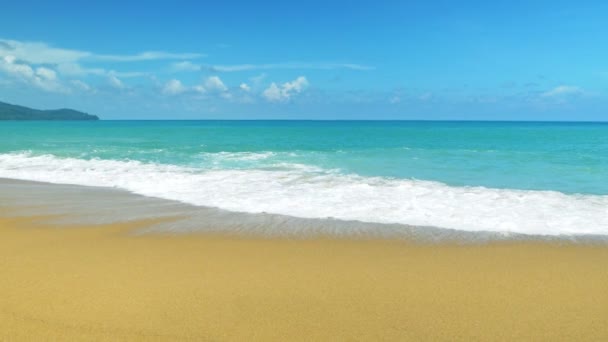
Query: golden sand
<point>103,283</point>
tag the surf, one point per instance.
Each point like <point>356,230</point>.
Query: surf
<point>307,191</point>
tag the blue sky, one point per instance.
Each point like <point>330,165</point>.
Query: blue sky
<point>490,60</point>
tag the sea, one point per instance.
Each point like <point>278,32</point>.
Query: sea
<point>534,178</point>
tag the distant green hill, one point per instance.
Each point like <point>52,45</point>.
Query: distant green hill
<point>13,112</point>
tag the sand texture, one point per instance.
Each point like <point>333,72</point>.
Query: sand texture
<point>103,283</point>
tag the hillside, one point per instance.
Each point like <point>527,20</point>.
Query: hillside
<point>14,112</point>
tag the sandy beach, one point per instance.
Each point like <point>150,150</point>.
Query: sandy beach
<point>102,282</point>
<point>418,170</point>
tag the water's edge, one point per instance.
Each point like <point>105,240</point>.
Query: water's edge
<point>85,205</point>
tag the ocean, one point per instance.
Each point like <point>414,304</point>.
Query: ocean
<point>537,178</point>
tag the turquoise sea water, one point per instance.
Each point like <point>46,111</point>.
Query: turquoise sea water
<point>346,169</point>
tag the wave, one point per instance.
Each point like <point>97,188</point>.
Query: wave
<point>310,192</point>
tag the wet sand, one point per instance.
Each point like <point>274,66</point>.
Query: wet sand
<point>103,283</point>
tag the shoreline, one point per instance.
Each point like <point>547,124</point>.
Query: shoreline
<point>303,190</point>
<point>107,281</point>
<point>89,205</point>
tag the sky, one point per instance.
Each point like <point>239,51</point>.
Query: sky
<point>420,60</point>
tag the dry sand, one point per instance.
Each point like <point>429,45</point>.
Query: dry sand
<point>103,283</point>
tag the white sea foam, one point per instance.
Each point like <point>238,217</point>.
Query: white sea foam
<point>309,193</point>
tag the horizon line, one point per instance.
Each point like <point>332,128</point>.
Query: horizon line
<point>362,120</point>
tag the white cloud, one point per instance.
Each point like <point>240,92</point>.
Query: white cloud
<point>9,66</point>
<point>40,65</point>
<point>185,66</point>
<point>46,73</point>
<point>273,93</point>
<point>563,90</point>
<point>256,80</point>
<point>199,89</point>
<point>394,100</point>
<point>174,87</point>
<point>283,93</point>
<point>41,77</point>
<point>245,87</point>
<point>75,69</point>
<point>39,53</point>
<point>42,53</point>
<point>145,56</point>
<point>296,85</point>
<point>214,83</point>
<point>81,85</point>
<point>116,82</point>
